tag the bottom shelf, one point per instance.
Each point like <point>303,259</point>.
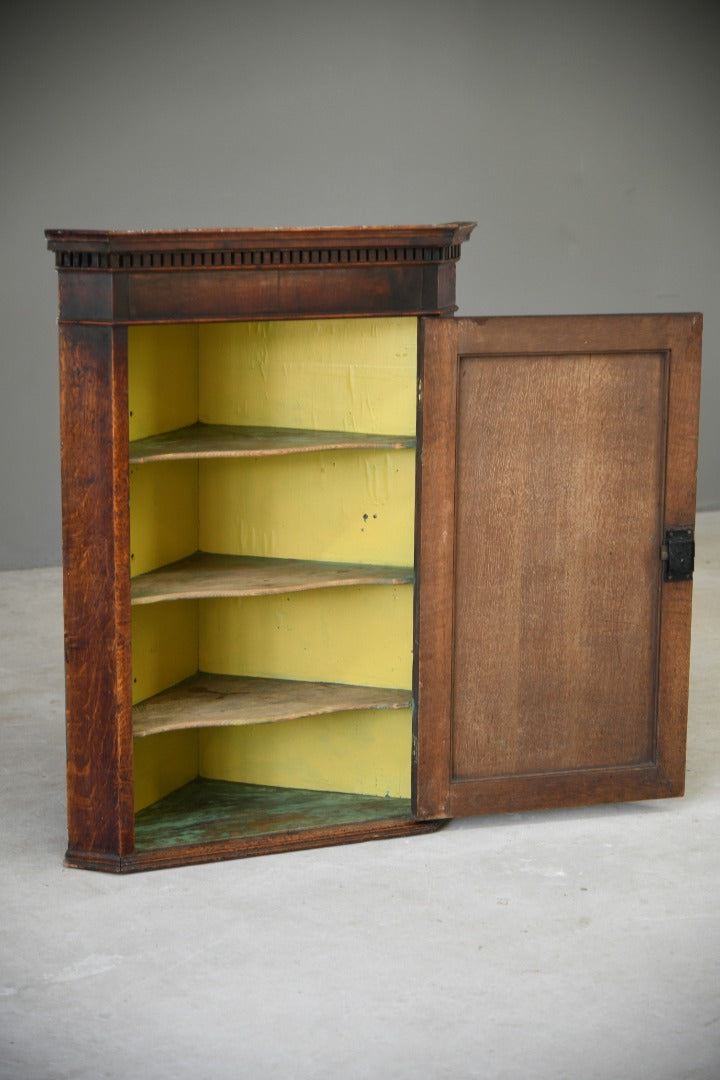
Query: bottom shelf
<point>210,820</point>
<point>207,811</point>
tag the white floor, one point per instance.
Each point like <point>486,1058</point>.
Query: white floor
<point>578,944</point>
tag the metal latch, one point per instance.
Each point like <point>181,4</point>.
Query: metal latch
<point>678,554</point>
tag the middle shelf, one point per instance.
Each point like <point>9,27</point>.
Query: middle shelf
<point>200,440</point>
<point>205,575</point>
<point>206,700</point>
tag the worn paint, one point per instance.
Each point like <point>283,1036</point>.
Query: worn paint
<point>210,701</point>
<point>204,811</point>
<point>203,575</point>
<point>226,441</point>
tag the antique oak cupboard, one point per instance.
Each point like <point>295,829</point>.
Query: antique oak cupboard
<point>339,565</point>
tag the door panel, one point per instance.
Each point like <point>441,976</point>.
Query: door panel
<point>552,659</point>
<point>565,564</point>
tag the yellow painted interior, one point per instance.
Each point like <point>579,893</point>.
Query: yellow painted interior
<point>354,506</point>
<point>365,752</point>
<point>162,378</point>
<point>163,763</point>
<point>361,636</point>
<point>163,513</point>
<point>346,506</point>
<point>165,646</point>
<point>164,652</point>
<point>336,374</point>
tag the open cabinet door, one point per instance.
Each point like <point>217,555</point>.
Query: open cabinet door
<point>557,503</point>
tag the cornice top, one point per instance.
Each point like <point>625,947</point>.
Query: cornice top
<point>196,248</point>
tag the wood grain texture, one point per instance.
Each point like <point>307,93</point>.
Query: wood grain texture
<point>96,589</point>
<point>434,539</point>
<point>274,293</point>
<point>139,297</point>
<point>226,274</point>
<point>559,478</point>
<point>205,575</point>
<point>207,700</point>
<point>225,441</point>
<point>684,350</point>
<point>574,449</point>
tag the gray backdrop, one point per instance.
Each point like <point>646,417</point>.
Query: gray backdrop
<point>584,138</point>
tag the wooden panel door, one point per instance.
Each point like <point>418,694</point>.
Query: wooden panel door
<point>552,660</point>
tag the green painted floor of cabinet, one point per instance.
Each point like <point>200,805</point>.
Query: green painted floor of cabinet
<point>207,810</point>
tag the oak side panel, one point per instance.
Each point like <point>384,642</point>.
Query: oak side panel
<point>87,297</point>
<point>94,436</point>
<point>684,351</point>
<point>434,539</point>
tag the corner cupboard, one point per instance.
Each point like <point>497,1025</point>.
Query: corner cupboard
<point>339,565</point>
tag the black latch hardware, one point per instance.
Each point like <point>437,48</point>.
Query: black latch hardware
<point>678,554</point>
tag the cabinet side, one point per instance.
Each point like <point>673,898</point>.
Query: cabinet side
<point>94,435</point>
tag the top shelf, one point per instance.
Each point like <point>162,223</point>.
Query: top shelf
<point>226,441</point>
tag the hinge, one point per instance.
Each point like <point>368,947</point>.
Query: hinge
<point>678,554</point>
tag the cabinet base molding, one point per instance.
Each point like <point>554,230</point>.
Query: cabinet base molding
<point>251,819</point>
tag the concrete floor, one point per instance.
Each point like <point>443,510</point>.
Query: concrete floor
<point>577,944</point>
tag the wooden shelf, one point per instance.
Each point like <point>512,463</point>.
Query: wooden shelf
<point>230,700</point>
<point>205,810</point>
<point>204,575</point>
<point>225,441</point>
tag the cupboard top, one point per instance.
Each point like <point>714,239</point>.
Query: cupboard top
<point>199,275</point>
<point>438,239</point>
